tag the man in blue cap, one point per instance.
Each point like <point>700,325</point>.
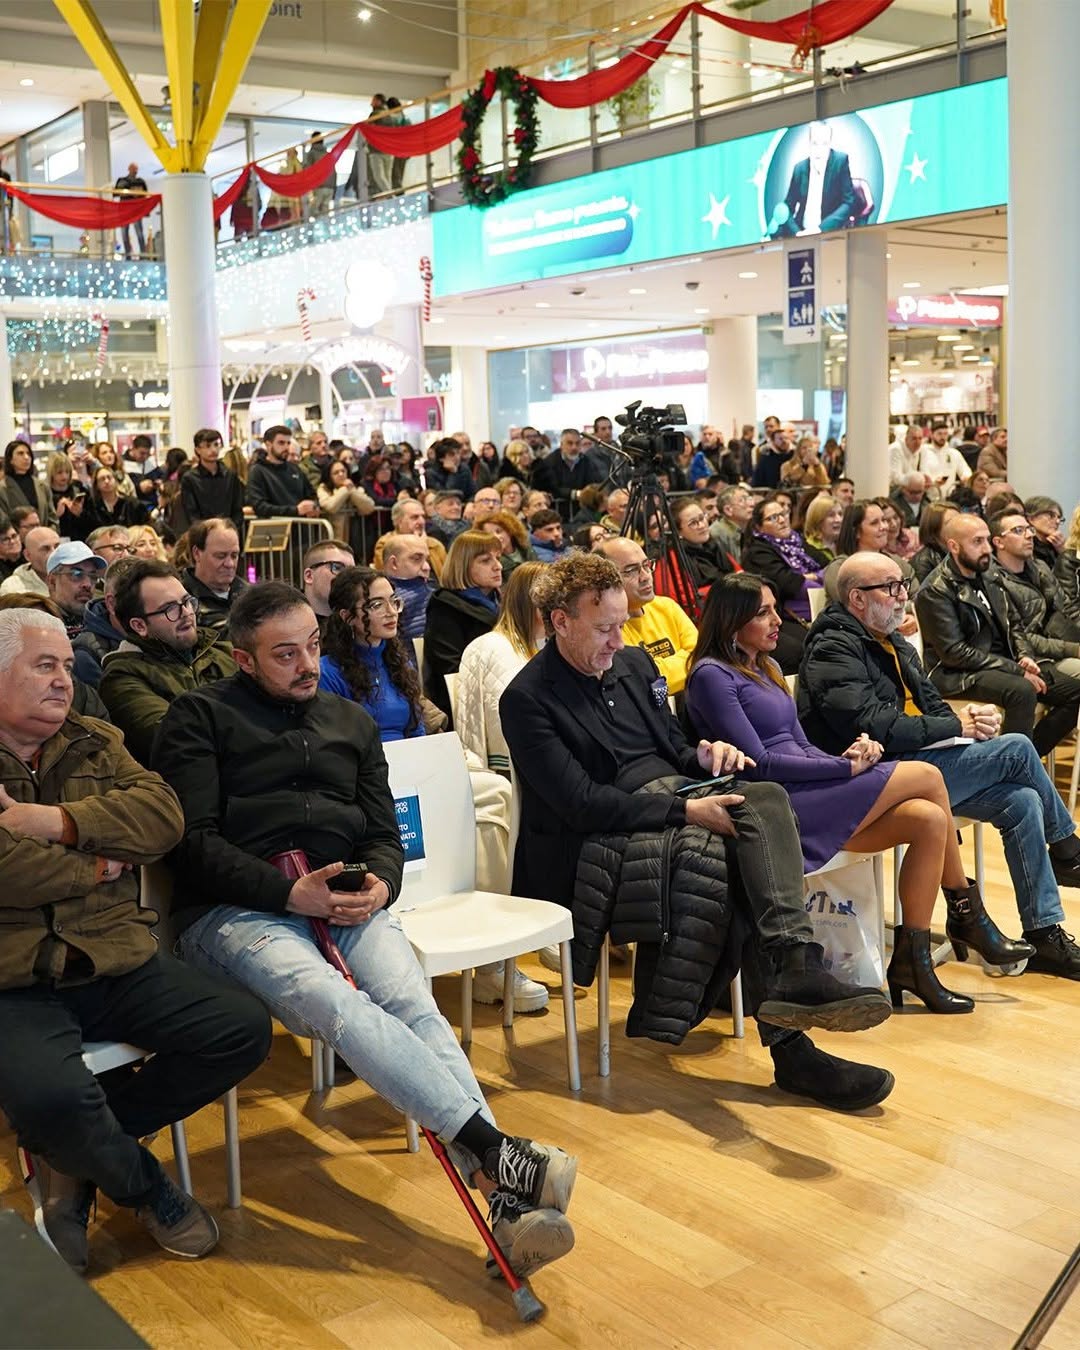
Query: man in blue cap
<point>71,572</point>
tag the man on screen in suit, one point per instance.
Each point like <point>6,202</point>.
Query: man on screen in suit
<point>821,195</point>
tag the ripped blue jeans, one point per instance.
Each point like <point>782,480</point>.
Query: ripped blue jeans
<point>389,1031</point>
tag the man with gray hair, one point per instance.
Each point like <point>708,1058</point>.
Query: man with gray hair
<point>736,506</point>
<point>110,542</point>
<point>79,963</point>
<point>407,517</point>
<point>909,497</point>
<point>860,676</point>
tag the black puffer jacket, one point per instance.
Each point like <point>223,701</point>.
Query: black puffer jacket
<point>1067,574</point>
<point>668,891</point>
<point>1038,597</point>
<point>849,683</point>
<point>959,633</point>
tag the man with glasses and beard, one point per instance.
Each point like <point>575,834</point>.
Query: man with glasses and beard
<point>860,676</point>
<point>164,653</point>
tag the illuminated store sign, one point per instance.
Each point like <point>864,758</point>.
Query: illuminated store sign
<point>926,156</point>
<point>629,365</point>
<point>948,311</point>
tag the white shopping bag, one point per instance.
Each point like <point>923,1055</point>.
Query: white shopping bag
<point>845,911</point>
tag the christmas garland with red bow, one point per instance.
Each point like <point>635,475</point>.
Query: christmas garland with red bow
<point>486,189</point>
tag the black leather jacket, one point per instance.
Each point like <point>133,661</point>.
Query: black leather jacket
<point>1041,603</point>
<point>1067,574</point>
<point>958,631</point>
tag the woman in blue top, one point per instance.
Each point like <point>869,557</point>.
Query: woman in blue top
<point>735,693</point>
<point>363,657</point>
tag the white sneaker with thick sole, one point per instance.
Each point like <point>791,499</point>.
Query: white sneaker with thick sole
<point>530,1238</point>
<point>529,996</point>
<point>550,959</point>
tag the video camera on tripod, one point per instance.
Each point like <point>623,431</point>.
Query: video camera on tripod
<point>650,439</point>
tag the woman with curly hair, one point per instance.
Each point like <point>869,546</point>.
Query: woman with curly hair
<point>364,659</point>
<point>512,536</point>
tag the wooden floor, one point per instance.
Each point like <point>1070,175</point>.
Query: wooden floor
<point>711,1210</point>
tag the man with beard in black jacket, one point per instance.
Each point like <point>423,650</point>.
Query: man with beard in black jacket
<point>276,487</point>
<point>209,490</point>
<point>264,763</point>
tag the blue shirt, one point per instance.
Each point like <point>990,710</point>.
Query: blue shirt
<point>386,704</point>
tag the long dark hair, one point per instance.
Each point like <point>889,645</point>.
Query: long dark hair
<point>732,603</point>
<point>349,589</point>
<point>847,541</point>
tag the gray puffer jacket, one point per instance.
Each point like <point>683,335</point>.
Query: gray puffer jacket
<point>667,891</point>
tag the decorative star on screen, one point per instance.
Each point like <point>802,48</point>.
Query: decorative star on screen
<point>917,168</point>
<point>717,213</point>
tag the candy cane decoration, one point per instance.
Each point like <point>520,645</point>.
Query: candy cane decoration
<point>103,340</point>
<point>302,297</point>
<point>425,277</point>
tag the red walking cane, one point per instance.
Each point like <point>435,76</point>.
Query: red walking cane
<point>294,864</point>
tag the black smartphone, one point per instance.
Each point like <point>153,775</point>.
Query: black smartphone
<point>350,878</point>
<point>723,783</point>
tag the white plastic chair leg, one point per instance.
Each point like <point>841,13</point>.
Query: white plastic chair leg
<point>412,1135</point>
<point>318,1067</point>
<point>180,1153</point>
<point>329,1072</point>
<point>603,1012</point>
<point>232,1148</point>
<point>897,861</point>
<point>980,857</point>
<point>466,1006</point>
<point>509,974</point>
<point>573,1065</point>
<point>737,1016</point>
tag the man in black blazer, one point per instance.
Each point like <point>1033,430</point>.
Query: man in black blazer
<point>821,195</point>
<point>588,724</point>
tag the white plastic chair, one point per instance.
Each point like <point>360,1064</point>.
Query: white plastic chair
<point>451,694</point>
<point>451,925</point>
<point>818,600</point>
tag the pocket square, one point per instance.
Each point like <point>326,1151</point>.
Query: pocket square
<point>659,692</point>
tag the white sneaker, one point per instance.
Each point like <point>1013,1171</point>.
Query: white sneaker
<point>550,958</point>
<point>529,996</point>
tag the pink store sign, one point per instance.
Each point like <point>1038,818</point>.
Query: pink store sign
<point>948,311</point>
<point>629,365</point>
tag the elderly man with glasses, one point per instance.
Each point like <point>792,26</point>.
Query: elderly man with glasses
<point>859,675</point>
<point>111,542</point>
<point>163,655</point>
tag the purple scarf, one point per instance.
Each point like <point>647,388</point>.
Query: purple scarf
<point>793,551</point>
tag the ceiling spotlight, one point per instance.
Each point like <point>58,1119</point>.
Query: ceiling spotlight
<point>910,361</point>
<point>912,285</point>
<point>364,15</point>
<point>637,290</point>
<point>701,311</point>
<point>747,276</point>
<point>542,304</point>
<point>27,84</point>
<point>948,337</point>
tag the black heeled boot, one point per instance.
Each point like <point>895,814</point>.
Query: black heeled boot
<point>912,968</point>
<point>969,925</point>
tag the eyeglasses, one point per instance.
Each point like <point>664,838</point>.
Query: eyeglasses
<point>174,609</point>
<point>640,569</point>
<point>10,537</point>
<point>1022,531</point>
<point>1049,515</point>
<point>379,605</point>
<point>775,517</point>
<point>335,567</point>
<point>694,522</point>
<point>892,588</point>
<point>115,548</point>
<point>78,573</point>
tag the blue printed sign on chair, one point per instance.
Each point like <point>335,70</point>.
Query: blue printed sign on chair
<point>411,828</point>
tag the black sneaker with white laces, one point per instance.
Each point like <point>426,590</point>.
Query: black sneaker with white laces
<point>530,1238</point>
<point>538,1174</point>
<point>1056,952</point>
<point>65,1210</point>
<point>178,1223</point>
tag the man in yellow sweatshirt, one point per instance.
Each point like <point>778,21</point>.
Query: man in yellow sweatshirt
<point>655,622</point>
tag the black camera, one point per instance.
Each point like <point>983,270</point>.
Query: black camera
<point>650,436</point>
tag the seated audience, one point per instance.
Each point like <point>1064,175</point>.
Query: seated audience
<point>163,654</point>
<point>514,547</point>
<point>851,800</point>
<point>589,538</point>
<point>1040,602</point>
<point>30,576</point>
<point>775,552</point>
<point>446,473</point>
<point>111,542</point>
<point>407,567</point>
<point>212,577</point>
<point>107,505</point>
<point>25,518</point>
<point>408,517</point>
<point>223,751</point>
<point>736,505</point>
<point>546,536</point>
<point>342,501</point>
<point>587,728</point>
<point>101,632</point>
<point>1047,517</point>
<point>708,560</point>
<point>146,543</point>
<point>516,465</point>
<point>994,458</point>
<point>462,608</point>
<point>533,501</point>
<point>976,645</point>
<point>1066,569</point>
<point>615,506</point>
<point>485,501</point>
<point>821,527</point>
<point>864,529</point>
<point>844,491</point>
<point>901,541</point>
<point>511,494</point>
<point>910,498</point>
<point>10,550</point>
<point>321,563</point>
<point>71,572</point>
<point>78,962</point>
<point>859,676</point>
<point>20,485</point>
<point>932,550</point>
<point>654,622</point>
<point>564,472</point>
<point>208,491</point>
<point>447,521</point>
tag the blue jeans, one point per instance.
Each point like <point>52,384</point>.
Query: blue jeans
<point>389,1031</point>
<point>1003,781</point>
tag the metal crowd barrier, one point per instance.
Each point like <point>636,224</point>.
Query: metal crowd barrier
<point>275,547</point>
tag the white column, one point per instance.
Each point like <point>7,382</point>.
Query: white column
<point>403,325</point>
<point>7,401</point>
<point>732,377</point>
<point>98,166</point>
<point>868,362</point>
<point>327,402</point>
<point>194,346</point>
<point>466,406</point>
<point>1044,270</point>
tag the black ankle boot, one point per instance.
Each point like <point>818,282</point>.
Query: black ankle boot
<point>912,968</point>
<point>969,925</point>
<point>806,1071</point>
<point>804,994</point>
<point>1056,952</point>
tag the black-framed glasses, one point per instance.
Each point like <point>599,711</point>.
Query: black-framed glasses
<point>174,609</point>
<point>638,569</point>
<point>80,573</point>
<point>335,567</point>
<point>115,548</point>
<point>694,522</point>
<point>1048,515</point>
<point>775,518</point>
<point>380,604</point>
<point>891,588</point>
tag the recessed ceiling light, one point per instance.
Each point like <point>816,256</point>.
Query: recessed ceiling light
<point>912,285</point>
<point>970,358</point>
<point>27,84</point>
<point>637,290</point>
<point>542,304</point>
<point>948,337</point>
<point>888,255</point>
<point>498,337</point>
<point>910,361</point>
<point>701,311</point>
<point>364,15</point>
<point>964,347</point>
<point>747,276</point>
<point>436,318</point>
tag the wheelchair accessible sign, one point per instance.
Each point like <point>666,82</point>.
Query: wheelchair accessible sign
<point>411,829</point>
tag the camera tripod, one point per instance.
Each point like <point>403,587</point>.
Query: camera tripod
<point>649,517</point>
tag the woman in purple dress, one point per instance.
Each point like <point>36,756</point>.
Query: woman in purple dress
<point>736,693</point>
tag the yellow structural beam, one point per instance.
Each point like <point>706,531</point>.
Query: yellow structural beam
<point>178,36</point>
<point>248,17</point>
<point>209,37</point>
<point>84,23</point>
